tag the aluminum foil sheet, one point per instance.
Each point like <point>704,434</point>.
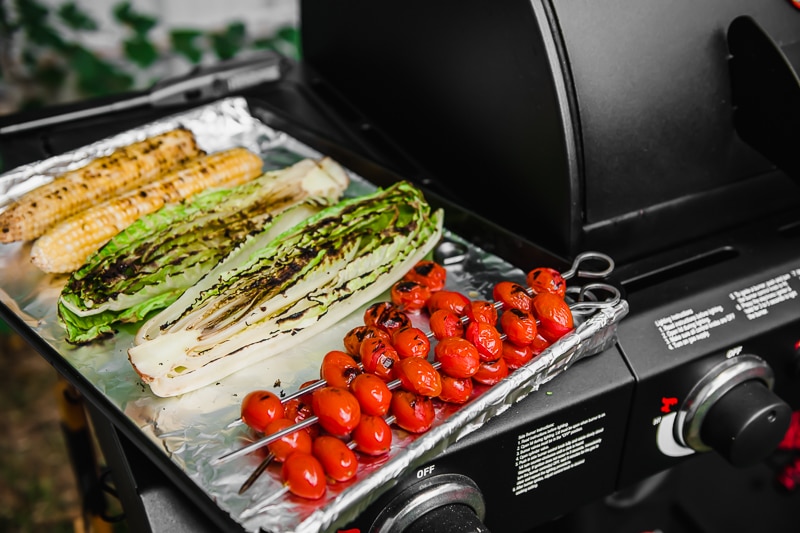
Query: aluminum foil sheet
<point>198,429</point>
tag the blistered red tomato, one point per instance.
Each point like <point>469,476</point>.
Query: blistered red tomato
<point>259,408</point>
<point>490,373</point>
<point>409,295</point>
<point>455,390</point>
<point>445,323</point>
<point>482,311</point>
<point>372,435</point>
<point>338,369</point>
<point>519,326</point>
<point>298,410</point>
<point>411,342</point>
<point>296,441</point>
<point>337,409</point>
<point>486,339</point>
<point>379,357</point>
<point>354,338</point>
<point>428,273</point>
<point>512,295</point>
<point>412,412</point>
<point>372,393</point>
<point>306,398</point>
<point>337,459</point>
<point>459,357</point>
<point>418,375</point>
<point>516,356</point>
<point>553,314</point>
<point>304,475</point>
<point>450,300</point>
<point>386,316</point>
<point>545,279</point>
<point>539,344</point>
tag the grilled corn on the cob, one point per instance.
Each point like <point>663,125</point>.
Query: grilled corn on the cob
<point>66,246</point>
<point>124,169</point>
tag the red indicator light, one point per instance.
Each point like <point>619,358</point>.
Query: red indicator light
<point>668,403</point>
<point>795,3</point>
<point>797,343</point>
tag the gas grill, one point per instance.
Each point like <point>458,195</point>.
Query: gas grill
<point>661,134</point>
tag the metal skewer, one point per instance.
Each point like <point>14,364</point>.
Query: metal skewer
<point>310,421</point>
<point>269,458</point>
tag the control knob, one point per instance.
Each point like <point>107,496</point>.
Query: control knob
<point>445,503</point>
<point>733,411</point>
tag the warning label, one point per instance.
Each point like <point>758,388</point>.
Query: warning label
<point>689,326</point>
<point>553,449</point>
<point>755,301</point>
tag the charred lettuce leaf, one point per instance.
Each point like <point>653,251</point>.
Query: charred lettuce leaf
<point>288,289</point>
<point>152,262</point>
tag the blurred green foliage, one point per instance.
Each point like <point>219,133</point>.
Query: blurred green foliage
<point>41,50</point>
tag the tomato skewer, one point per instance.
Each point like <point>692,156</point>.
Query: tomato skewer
<point>395,383</point>
<point>557,323</point>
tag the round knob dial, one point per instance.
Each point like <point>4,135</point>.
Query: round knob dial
<point>733,411</point>
<point>434,505</point>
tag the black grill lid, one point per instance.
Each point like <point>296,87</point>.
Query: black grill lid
<point>604,125</point>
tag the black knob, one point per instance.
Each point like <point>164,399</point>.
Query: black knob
<point>453,518</point>
<point>746,424</point>
<point>733,411</point>
<point>452,498</point>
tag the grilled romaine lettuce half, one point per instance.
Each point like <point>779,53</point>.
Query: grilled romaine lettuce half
<point>149,264</point>
<point>286,290</point>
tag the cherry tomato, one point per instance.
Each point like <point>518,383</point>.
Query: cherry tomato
<point>337,409</point>
<point>410,296</point>
<point>486,339</point>
<point>372,435</point>
<point>386,316</point>
<point>338,369</point>
<point>459,357</point>
<point>491,372</point>
<point>337,459</point>
<point>539,344</point>
<point>306,398</point>
<point>293,442</point>
<point>450,300</point>
<point>482,311</point>
<point>412,412</point>
<point>428,273</point>
<point>512,296</point>
<point>516,356</point>
<point>546,280</point>
<point>379,357</point>
<point>411,342</point>
<point>297,410</point>
<point>304,475</point>
<point>354,338</point>
<point>372,393</point>
<point>519,326</point>
<point>259,408</point>
<point>445,323</point>
<point>418,375</point>
<point>455,390</point>
<point>553,314</point>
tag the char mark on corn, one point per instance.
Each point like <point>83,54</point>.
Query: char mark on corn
<point>124,169</point>
<point>66,246</point>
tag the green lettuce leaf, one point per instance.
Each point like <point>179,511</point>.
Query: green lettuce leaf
<point>150,264</point>
<point>279,291</point>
